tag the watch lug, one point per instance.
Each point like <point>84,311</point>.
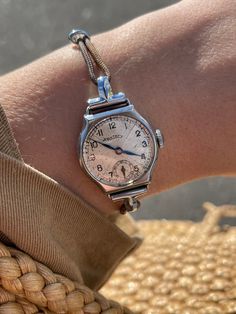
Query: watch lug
<point>128,193</point>
<point>129,198</point>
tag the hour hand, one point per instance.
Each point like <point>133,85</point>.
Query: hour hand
<point>117,149</point>
<point>127,152</point>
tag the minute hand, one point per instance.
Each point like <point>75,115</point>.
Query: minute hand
<point>106,145</point>
<point>127,152</point>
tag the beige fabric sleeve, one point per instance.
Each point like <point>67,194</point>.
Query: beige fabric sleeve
<point>53,225</point>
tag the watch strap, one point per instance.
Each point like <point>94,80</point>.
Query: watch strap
<point>106,102</point>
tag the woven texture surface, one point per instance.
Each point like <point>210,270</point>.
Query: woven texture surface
<point>30,287</point>
<point>181,268</point>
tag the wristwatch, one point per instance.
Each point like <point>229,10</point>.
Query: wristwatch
<point>117,147</point>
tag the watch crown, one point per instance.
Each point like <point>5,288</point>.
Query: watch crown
<point>159,138</point>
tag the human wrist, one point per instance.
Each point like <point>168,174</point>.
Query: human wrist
<point>156,70</point>
<point>45,102</point>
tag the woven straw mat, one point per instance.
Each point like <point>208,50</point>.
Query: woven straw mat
<point>182,267</point>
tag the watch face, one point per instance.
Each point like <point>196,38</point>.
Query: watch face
<point>118,150</point>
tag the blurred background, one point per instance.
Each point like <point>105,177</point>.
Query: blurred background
<point>31,28</point>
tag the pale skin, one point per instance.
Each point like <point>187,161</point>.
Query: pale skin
<point>177,65</point>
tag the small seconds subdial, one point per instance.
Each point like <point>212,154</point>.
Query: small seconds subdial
<point>118,150</point>
<point>123,170</point>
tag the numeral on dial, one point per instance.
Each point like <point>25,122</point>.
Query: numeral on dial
<point>99,167</point>
<point>144,143</point>
<point>138,133</point>
<point>112,125</point>
<point>94,144</point>
<point>100,132</point>
<point>91,157</point>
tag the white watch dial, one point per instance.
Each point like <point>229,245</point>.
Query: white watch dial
<point>118,150</point>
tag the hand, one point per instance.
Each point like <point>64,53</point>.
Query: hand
<point>104,144</point>
<point>117,149</point>
<point>127,152</point>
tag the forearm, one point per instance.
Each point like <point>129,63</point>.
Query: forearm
<point>171,66</point>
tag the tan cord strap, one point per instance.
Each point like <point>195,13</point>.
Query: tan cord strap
<point>90,54</point>
<point>96,57</point>
<point>27,286</point>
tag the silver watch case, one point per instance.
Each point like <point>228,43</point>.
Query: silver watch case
<point>90,120</point>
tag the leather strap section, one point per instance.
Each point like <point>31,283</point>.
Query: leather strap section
<point>101,107</point>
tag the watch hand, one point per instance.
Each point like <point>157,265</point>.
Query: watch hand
<point>127,152</point>
<point>107,145</point>
<point>123,170</point>
<point>104,144</point>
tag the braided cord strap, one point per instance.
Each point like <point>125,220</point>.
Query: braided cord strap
<point>27,286</point>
